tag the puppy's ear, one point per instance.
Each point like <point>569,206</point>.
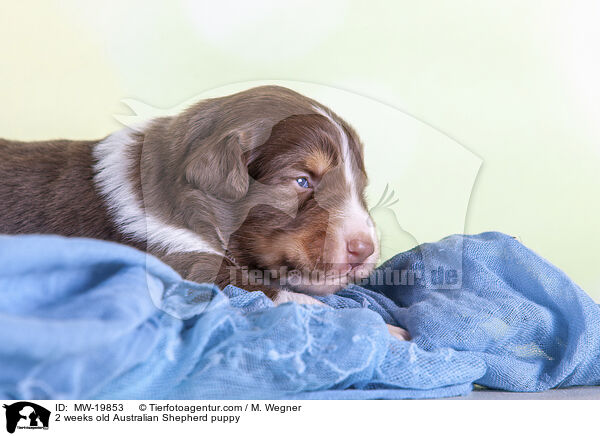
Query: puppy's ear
<point>218,167</point>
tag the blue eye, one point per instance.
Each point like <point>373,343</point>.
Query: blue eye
<point>303,182</point>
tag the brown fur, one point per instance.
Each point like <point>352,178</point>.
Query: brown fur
<point>216,169</point>
<point>46,187</point>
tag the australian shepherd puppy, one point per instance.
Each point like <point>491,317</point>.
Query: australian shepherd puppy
<point>263,189</point>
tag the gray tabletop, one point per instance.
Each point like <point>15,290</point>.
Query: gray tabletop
<point>575,393</point>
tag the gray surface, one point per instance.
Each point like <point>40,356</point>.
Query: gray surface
<point>576,393</point>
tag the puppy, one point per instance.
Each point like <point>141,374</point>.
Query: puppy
<point>263,189</point>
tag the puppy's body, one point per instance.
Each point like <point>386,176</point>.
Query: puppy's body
<point>265,179</point>
<point>47,187</point>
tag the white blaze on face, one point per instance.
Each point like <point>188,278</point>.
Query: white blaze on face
<point>358,224</point>
<point>356,221</point>
<point>345,147</point>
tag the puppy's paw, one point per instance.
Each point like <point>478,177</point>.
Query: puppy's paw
<point>287,296</point>
<point>398,333</point>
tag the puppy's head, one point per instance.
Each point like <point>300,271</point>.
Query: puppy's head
<point>296,171</point>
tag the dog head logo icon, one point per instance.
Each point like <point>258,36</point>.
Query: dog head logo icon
<point>26,415</point>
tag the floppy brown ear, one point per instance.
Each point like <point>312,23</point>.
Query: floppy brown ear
<point>218,167</point>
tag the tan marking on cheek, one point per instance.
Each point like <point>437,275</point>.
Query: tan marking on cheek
<point>302,248</point>
<point>267,254</point>
<point>289,250</point>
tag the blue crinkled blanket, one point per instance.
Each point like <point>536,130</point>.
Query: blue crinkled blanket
<point>85,319</point>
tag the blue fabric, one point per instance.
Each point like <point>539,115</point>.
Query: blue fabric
<point>91,319</point>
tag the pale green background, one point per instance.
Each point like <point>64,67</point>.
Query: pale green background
<point>514,82</point>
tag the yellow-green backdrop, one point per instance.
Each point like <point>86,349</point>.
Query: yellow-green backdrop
<point>511,85</point>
